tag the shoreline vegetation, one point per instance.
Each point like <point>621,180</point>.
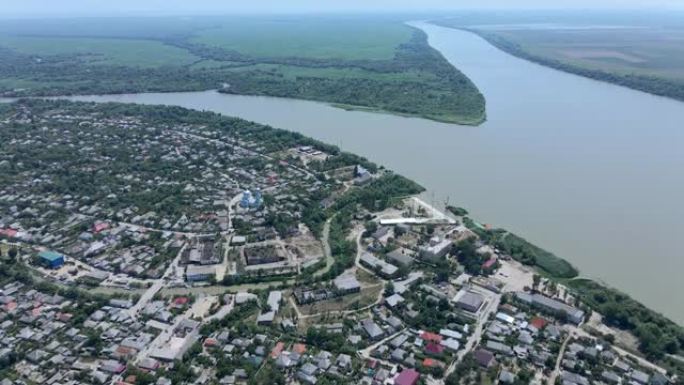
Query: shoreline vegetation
<point>395,71</point>
<point>655,85</point>
<point>658,336</point>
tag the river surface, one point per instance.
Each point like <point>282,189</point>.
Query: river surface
<point>591,171</point>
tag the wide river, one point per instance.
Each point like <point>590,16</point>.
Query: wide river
<point>591,171</point>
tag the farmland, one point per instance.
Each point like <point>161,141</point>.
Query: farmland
<point>637,50</point>
<point>101,51</point>
<point>317,38</point>
<point>368,63</point>
<point>645,54</point>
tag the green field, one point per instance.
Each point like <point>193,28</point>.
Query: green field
<point>316,38</point>
<point>101,51</point>
<point>643,51</point>
<point>371,63</point>
<point>637,50</point>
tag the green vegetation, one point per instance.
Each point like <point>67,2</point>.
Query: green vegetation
<point>458,211</point>
<point>524,251</point>
<point>317,38</point>
<point>90,51</point>
<point>366,63</point>
<point>647,58</point>
<point>657,335</point>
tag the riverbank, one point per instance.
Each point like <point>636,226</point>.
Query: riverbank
<point>654,85</point>
<point>555,165</point>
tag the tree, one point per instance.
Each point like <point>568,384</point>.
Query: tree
<point>12,254</point>
<point>389,288</point>
<point>536,280</point>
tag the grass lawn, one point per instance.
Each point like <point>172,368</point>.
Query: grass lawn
<point>317,38</point>
<point>125,52</point>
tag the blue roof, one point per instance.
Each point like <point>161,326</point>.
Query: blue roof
<point>50,255</point>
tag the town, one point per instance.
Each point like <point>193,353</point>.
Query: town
<point>154,245</point>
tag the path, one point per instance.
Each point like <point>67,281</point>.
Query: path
<point>556,368</point>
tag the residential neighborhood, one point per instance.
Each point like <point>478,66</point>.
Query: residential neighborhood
<point>204,254</point>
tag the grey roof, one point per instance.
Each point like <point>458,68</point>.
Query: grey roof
<point>499,347</point>
<point>371,328</point>
<point>470,300</point>
<point>574,378</point>
<point>346,282</point>
<point>549,303</point>
<point>400,256</point>
<point>640,376</point>
<point>506,377</point>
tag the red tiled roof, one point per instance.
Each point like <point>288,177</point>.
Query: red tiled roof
<point>428,336</point>
<point>9,232</point>
<point>434,348</point>
<point>277,349</point>
<point>100,226</point>
<point>489,263</point>
<point>299,348</point>
<point>538,322</point>
<point>407,377</point>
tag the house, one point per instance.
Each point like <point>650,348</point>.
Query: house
<point>112,366</point>
<point>51,259</point>
<point>401,257</point>
<point>498,347</point>
<point>484,358</point>
<point>640,377</point>
<point>344,361</point>
<point>407,377</point>
<point>436,249</point>
<point>347,283</point>
<point>383,268</point>
<point>433,348</point>
<point>238,240</point>
<point>431,337</point>
<point>195,273</point>
<point>372,329</point>
<point>506,377</point>
<point>470,301</point>
<point>611,377</point>
<point>451,344</point>
<point>273,301</point>
<point>394,300</point>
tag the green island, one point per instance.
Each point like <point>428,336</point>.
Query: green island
<point>376,64</point>
<point>176,244</point>
<point>639,53</point>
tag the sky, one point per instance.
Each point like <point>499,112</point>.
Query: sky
<point>62,8</point>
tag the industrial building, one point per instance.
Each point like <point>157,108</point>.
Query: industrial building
<point>51,259</point>
<point>556,307</point>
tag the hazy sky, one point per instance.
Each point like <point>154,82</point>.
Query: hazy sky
<point>21,8</point>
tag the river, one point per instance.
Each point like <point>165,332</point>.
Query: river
<point>591,171</point>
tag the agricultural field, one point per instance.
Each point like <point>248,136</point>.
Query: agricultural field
<point>101,51</point>
<point>624,50</point>
<point>355,39</point>
<point>376,64</point>
<point>642,51</point>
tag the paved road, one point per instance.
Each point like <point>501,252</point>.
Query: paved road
<point>156,285</point>
<point>476,336</point>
